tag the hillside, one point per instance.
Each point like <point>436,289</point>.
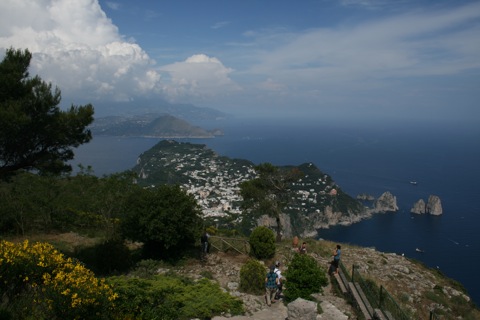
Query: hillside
<point>150,125</point>
<point>416,288</point>
<point>215,183</point>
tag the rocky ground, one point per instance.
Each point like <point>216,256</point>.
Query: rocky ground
<point>225,268</point>
<point>416,288</point>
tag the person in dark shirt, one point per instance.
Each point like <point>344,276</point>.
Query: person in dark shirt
<point>336,257</point>
<point>271,284</point>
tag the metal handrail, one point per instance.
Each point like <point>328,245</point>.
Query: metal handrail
<point>378,297</point>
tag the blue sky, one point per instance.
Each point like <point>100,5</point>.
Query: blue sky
<point>339,59</point>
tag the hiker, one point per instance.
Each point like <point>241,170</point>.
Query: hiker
<point>271,283</point>
<point>336,258</point>
<point>303,248</point>
<point>281,279</point>
<point>205,244</point>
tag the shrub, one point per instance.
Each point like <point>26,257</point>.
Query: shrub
<point>106,258</point>
<point>304,277</point>
<point>262,243</point>
<point>252,277</point>
<point>172,297</point>
<point>52,287</point>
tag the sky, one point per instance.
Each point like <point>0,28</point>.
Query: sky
<point>335,59</point>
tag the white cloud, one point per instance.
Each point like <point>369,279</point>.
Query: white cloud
<point>113,5</point>
<point>220,24</point>
<point>418,44</point>
<point>77,48</point>
<point>199,77</point>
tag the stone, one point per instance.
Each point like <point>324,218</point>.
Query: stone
<point>434,205</point>
<point>232,286</point>
<point>302,309</point>
<point>330,312</point>
<point>387,202</point>
<point>419,207</point>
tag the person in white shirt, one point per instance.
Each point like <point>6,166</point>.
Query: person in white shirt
<point>280,280</point>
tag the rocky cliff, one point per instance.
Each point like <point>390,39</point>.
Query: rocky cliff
<point>419,207</point>
<point>387,202</point>
<point>433,206</point>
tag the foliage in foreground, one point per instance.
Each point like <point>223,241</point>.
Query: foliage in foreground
<point>305,277</point>
<point>172,297</point>
<point>252,277</point>
<point>166,219</point>
<point>36,281</point>
<point>35,134</point>
<point>262,243</point>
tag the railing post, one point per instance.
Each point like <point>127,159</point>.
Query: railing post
<point>353,273</point>
<point>380,298</point>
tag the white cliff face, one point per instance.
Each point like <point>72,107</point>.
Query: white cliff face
<point>387,202</point>
<point>434,205</point>
<point>419,207</point>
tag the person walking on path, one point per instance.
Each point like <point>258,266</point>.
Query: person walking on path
<point>277,270</point>
<point>271,283</point>
<point>205,244</point>
<point>336,258</point>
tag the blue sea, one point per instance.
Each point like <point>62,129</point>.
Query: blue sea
<point>444,158</point>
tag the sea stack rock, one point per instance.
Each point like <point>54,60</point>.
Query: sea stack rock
<point>365,197</point>
<point>434,205</point>
<point>387,202</point>
<point>419,207</point>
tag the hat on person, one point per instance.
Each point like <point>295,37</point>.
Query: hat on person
<point>277,263</point>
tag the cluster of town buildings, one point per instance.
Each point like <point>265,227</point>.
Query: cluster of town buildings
<point>215,181</point>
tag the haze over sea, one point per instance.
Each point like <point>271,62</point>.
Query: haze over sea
<point>362,158</point>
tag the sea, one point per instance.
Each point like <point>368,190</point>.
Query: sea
<point>367,157</point>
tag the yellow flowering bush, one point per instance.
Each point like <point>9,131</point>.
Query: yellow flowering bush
<point>52,285</point>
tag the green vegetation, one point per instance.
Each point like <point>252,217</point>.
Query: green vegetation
<point>35,135</point>
<point>252,277</point>
<point>165,219</point>
<point>171,297</point>
<point>304,277</point>
<point>269,193</point>
<point>262,243</point>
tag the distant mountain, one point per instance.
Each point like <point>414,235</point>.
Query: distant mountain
<point>150,125</point>
<point>185,111</point>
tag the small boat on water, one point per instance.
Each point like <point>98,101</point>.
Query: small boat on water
<point>419,250</point>
<point>413,183</point>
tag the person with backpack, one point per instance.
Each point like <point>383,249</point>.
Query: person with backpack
<point>271,284</point>
<point>277,270</point>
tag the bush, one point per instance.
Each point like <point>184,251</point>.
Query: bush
<point>252,277</point>
<point>106,258</point>
<point>172,297</point>
<point>39,282</point>
<point>304,278</point>
<point>166,219</point>
<point>262,243</point>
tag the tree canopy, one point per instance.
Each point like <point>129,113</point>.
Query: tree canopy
<point>269,192</point>
<point>166,219</point>
<point>35,134</point>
